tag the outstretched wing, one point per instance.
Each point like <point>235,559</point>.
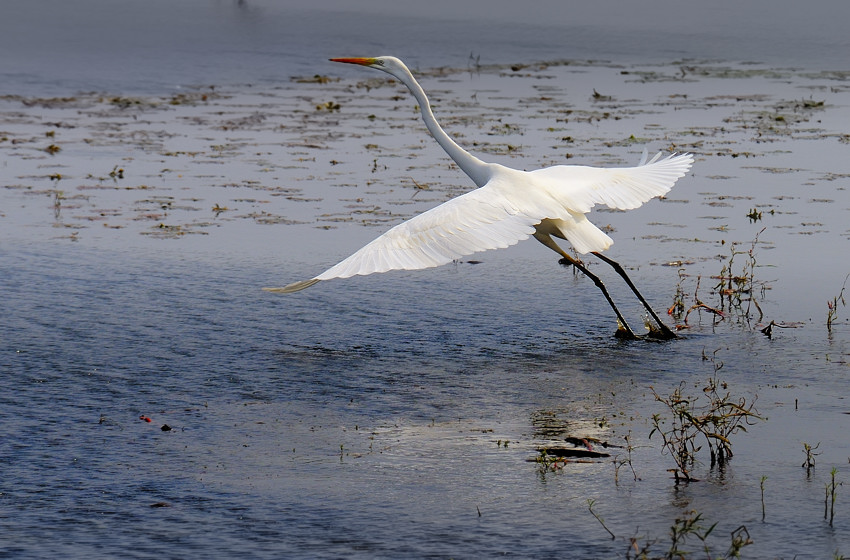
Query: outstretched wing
<point>505,211</point>
<point>579,188</point>
<point>476,221</point>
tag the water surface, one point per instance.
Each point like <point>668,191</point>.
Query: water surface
<point>395,415</point>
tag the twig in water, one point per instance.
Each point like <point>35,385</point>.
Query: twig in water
<point>594,514</point>
<point>768,330</point>
<point>761,484</point>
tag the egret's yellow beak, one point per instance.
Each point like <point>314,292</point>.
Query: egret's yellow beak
<point>360,61</point>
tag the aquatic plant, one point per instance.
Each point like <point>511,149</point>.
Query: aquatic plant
<point>716,421</point>
<point>619,462</point>
<point>328,106</point>
<point>677,310</point>
<point>809,450</point>
<point>754,215</point>
<point>830,491</point>
<point>685,528</point>
<point>58,197</point>
<point>548,462</point>
<point>736,288</point>
<point>832,314</point>
<point>679,440</point>
<point>699,305</point>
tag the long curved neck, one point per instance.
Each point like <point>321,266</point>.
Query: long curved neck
<point>477,170</point>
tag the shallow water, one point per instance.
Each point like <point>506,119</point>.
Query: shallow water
<point>343,423</point>
<point>368,417</point>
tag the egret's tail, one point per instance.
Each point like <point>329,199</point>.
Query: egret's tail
<point>578,230</point>
<point>584,236</point>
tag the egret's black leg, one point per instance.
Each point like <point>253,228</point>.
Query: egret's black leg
<point>664,332</point>
<point>625,330</point>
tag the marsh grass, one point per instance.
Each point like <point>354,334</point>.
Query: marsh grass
<point>737,290</point>
<point>832,305</point>
<point>683,531</point>
<point>627,460</point>
<point>737,286</point>
<point>548,462</point>
<point>711,418</point>
<point>830,494</point>
<point>809,463</point>
<point>699,305</point>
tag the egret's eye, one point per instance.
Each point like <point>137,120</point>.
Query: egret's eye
<point>379,62</point>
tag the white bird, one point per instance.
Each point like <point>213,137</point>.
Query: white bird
<point>508,206</point>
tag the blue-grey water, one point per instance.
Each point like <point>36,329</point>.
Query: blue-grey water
<point>54,46</point>
<point>357,425</point>
<point>394,416</point>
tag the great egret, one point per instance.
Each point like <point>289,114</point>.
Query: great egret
<point>510,205</point>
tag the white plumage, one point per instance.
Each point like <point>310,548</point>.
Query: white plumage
<point>510,205</point>
<point>499,215</point>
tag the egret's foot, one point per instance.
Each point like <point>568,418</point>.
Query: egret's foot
<point>625,333</point>
<point>659,331</point>
<point>662,333</point>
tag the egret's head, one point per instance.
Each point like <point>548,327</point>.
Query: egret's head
<point>389,64</point>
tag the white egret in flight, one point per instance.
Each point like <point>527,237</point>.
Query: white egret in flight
<point>508,206</point>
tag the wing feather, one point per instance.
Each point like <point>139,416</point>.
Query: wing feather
<point>579,188</point>
<point>470,223</point>
<point>506,211</point>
